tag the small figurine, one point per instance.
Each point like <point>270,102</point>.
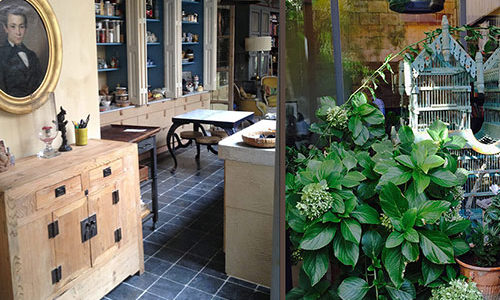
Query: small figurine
<point>4,157</point>
<point>61,126</point>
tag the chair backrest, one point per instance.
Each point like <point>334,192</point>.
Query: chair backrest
<point>237,94</point>
<point>270,81</point>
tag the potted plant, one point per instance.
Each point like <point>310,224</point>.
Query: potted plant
<point>482,264</point>
<point>374,217</point>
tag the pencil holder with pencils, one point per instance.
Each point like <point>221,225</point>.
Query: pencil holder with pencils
<point>81,136</point>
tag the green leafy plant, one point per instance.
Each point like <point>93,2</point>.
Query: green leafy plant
<point>458,289</point>
<point>338,196</point>
<point>486,237</point>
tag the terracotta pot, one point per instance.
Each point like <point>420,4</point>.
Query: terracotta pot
<point>487,279</point>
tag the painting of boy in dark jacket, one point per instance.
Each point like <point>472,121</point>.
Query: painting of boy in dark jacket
<point>20,70</point>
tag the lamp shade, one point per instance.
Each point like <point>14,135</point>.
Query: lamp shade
<point>258,43</point>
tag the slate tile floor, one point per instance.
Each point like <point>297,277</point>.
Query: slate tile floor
<point>183,256</point>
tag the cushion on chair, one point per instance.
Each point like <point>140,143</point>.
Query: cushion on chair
<point>219,133</point>
<point>208,140</point>
<point>190,135</point>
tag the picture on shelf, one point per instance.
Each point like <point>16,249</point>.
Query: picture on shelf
<point>24,50</point>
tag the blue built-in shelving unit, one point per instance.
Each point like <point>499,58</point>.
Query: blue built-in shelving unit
<point>156,74</point>
<point>115,76</point>
<point>196,66</point>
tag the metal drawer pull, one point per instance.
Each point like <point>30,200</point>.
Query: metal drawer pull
<point>106,172</point>
<point>60,191</point>
<point>116,197</point>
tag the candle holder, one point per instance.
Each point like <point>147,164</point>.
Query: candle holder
<point>47,135</point>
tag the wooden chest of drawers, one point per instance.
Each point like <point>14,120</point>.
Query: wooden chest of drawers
<point>70,226</point>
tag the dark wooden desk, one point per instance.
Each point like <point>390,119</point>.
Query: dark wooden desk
<point>145,137</point>
<point>227,120</point>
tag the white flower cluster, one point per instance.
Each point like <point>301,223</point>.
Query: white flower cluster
<point>458,289</point>
<point>337,117</point>
<point>315,200</point>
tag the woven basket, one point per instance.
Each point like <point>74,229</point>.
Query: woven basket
<point>254,139</point>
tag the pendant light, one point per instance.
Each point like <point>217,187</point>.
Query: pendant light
<point>416,6</point>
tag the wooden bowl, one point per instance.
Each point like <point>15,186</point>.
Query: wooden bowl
<point>255,139</point>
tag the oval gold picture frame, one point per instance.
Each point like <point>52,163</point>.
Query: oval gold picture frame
<point>24,105</point>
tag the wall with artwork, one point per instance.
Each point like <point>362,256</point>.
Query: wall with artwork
<point>76,90</point>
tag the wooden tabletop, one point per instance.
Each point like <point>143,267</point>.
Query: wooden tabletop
<point>128,133</point>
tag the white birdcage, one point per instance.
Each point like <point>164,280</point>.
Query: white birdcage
<point>490,131</point>
<point>438,84</point>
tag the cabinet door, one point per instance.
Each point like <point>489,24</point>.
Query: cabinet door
<point>265,18</point>
<point>104,204</point>
<point>254,21</point>
<point>71,254</point>
<point>33,265</point>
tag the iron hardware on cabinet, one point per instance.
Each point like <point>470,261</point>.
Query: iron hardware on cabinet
<point>106,172</point>
<point>118,235</point>
<point>53,229</point>
<point>88,228</point>
<point>56,275</point>
<point>116,197</point>
<point>60,191</point>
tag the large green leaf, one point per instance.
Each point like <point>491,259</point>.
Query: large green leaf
<point>362,137</point>
<point>431,162</point>
<point>394,239</point>
<point>396,175</point>
<point>349,161</point>
<point>414,198</point>
<point>296,220</point>
<point>346,252</point>
<point>359,99</point>
<point>455,143</point>
<point>460,247</point>
<point>376,117</point>
<point>430,271</point>
<point>436,247</point>
<point>337,203</point>
<point>393,203</point>
<point>365,109</point>
<point>455,227</point>
<point>316,264</point>
<point>411,235</point>
<point>406,135</point>
<point>394,264</point>
<point>405,292</point>
<point>444,178</point>
<point>383,164</point>
<point>366,190</point>
<point>406,161</point>
<point>383,146</point>
<point>355,126</point>
<point>353,288</point>
<point>366,214</point>
<point>352,179</point>
<point>317,236</point>
<point>325,169</point>
<point>372,243</point>
<point>429,212</point>
<point>409,217</point>
<point>440,128</point>
<point>421,180</point>
<point>330,217</point>
<point>410,251</point>
<point>351,230</point>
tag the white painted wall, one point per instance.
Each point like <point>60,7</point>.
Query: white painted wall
<point>77,88</point>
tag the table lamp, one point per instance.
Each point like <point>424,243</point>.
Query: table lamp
<point>258,44</point>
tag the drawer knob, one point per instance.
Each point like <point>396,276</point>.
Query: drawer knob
<point>60,191</point>
<point>106,172</point>
<point>116,197</point>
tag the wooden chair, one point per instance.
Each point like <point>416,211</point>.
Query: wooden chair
<point>270,90</point>
<point>248,103</point>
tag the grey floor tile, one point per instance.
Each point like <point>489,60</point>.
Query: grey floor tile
<point>149,296</point>
<point>206,283</point>
<point>166,288</point>
<point>156,266</point>
<point>124,292</point>
<point>180,274</point>
<point>233,291</point>
<point>143,281</point>
<point>191,294</point>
